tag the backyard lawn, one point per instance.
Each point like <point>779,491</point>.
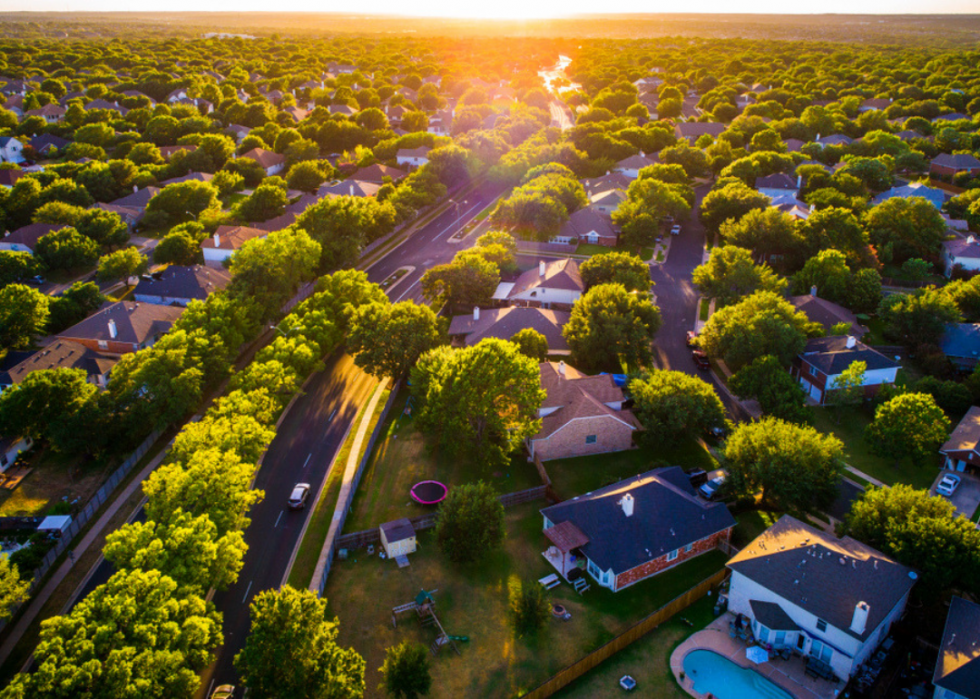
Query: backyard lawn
<point>54,477</point>
<point>401,460</point>
<point>751,523</point>
<point>588,249</point>
<point>857,451</point>
<point>472,601</point>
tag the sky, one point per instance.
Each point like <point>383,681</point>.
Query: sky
<point>512,9</point>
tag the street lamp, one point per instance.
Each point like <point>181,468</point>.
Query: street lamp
<point>456,204</point>
<point>287,333</point>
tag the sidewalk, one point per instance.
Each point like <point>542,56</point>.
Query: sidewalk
<point>865,476</point>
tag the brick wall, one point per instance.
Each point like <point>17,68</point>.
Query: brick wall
<point>111,347</point>
<point>611,435</point>
<point>658,565</point>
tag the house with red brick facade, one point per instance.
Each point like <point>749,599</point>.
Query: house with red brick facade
<point>125,326</point>
<point>580,415</point>
<point>634,529</point>
<point>824,359</point>
<point>947,164</point>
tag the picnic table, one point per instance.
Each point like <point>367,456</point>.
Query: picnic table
<point>550,581</point>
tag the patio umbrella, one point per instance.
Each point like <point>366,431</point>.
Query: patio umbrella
<point>757,654</point>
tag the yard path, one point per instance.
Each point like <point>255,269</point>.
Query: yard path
<point>865,476</point>
<point>343,498</point>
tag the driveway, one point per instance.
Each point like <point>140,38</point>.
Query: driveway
<point>966,498</point>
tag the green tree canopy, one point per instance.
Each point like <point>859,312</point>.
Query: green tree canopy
<point>904,228</point>
<point>729,274</point>
<point>531,343</point>
<point>470,522</point>
<point>609,324</point>
<point>919,318</point>
<point>672,405</point>
<point>23,314</point>
<point>778,393</point>
<point>908,425</point>
<point>387,339</point>
<point>406,671</point>
<point>121,265</point>
<point>616,268</point>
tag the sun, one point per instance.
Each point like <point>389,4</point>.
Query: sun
<point>498,10</point>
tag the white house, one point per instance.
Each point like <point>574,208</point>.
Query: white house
<point>416,157</point>
<point>272,163</point>
<point>833,600</point>
<point>11,150</point>
<point>225,241</point>
<point>555,284</point>
<point>961,251</point>
<point>632,165</point>
<point>779,185</point>
<point>11,448</point>
<point>957,674</point>
<point>819,367</point>
<point>961,452</point>
<point>398,538</point>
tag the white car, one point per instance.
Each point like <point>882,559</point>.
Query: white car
<point>709,491</point>
<point>297,500</point>
<point>675,229</point>
<point>948,484</point>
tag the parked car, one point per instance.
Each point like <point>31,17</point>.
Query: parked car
<point>691,338</point>
<point>949,483</point>
<point>701,359</point>
<point>225,691</point>
<point>675,229</point>
<point>36,279</point>
<point>698,477</point>
<point>297,500</point>
<point>709,490</point>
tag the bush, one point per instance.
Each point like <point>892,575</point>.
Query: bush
<point>529,606</point>
<point>470,522</point>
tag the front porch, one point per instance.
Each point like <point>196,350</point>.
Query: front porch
<point>564,554</point>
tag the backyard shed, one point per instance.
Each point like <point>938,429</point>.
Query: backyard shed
<point>398,538</point>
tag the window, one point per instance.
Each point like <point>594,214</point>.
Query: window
<point>103,344</point>
<point>821,650</point>
<point>780,640</point>
<point>688,548</point>
<point>763,634</point>
<point>672,556</point>
<point>590,439</point>
<point>821,625</point>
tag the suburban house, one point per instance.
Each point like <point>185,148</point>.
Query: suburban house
<point>344,109</point>
<point>106,104</point>
<point>130,215</point>
<point>946,164</point>
<point>238,131</point>
<point>124,326</point>
<point>416,157</point>
<point>377,173</point>
<point>139,199</point>
<point>793,145</point>
<point>11,448</point>
<point>46,143</point>
<point>179,285</point>
<point>951,116</point>
<point>8,177</point>
<point>272,163</point>
<point>25,238</point>
<point>555,284</point>
<point>934,196</point>
<point>691,131</point>
<point>832,600</point>
<point>225,241</point>
<point>836,139</point>
<point>874,104</point>
<point>61,354</point>
<point>793,207</point>
<point>961,344</point>
<point>778,185</point>
<point>607,202</point>
<point>957,674</point>
<point>961,451</point>
<point>606,183</point>
<point>824,359</point>
<point>11,150</point>
<point>634,529</point>
<point>961,252</point>
<point>398,538</point>
<point>348,188</point>
<point>580,415</point>
<point>632,165</point>
<point>51,113</point>
<point>587,226</point>
<point>827,313</point>
<point>505,322</point>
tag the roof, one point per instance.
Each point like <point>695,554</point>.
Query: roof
<point>232,237</point>
<point>967,247</point>
<point>265,158</point>
<point>351,188</point>
<point>952,116</point>
<point>504,323</point>
<point>958,665</point>
<point>667,515</point>
<point>824,575</point>
<point>636,162</point>
<point>178,281</point>
<point>827,313</point>
<point>561,388</point>
<point>189,177</point>
<point>961,340</point>
<point>609,181</point>
<point>8,177</point>
<point>959,161</point>
<point>566,536</point>
<point>558,274</point>
<point>610,197</point>
<point>696,129</point>
<point>398,530</point>
<point>934,196</point>
<point>29,235</point>
<point>60,354</point>
<point>47,110</point>
<point>582,404</point>
<point>778,181</point>
<point>377,172</point>
<point>135,322</point>
<point>836,139</point>
<point>966,434</point>
<point>414,152</point>
<point>585,221</point>
<point>876,103</point>
<point>832,356</point>
<point>138,199</point>
<point>7,140</point>
<point>772,615</point>
<point>47,140</point>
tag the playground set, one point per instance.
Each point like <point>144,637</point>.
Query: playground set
<point>424,606</point>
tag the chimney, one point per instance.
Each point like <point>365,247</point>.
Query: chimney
<point>561,368</point>
<point>860,620</point>
<point>627,504</point>
<point>799,181</point>
<point>476,313</point>
<point>112,329</point>
<point>135,189</point>
<point>817,138</point>
<point>217,240</point>
<point>352,190</point>
<point>970,240</point>
<point>541,267</point>
<point>813,290</point>
<point>851,342</point>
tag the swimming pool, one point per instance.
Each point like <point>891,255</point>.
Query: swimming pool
<point>717,675</point>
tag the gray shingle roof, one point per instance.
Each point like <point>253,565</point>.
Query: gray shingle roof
<point>667,515</point>
<point>505,322</point>
<point>827,313</point>
<point>958,666</point>
<point>136,323</point>
<point>61,354</point>
<point>824,575</point>
<point>585,221</point>
<point>967,248</point>
<point>961,340</point>
<point>398,530</point>
<point>832,356</point>
<point>959,161</point>
<point>772,615</point>
<point>778,181</point>
<point>186,282</point>
<point>558,274</point>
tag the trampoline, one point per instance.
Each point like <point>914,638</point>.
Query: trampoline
<point>429,492</point>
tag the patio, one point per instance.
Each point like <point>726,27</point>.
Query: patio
<point>788,674</point>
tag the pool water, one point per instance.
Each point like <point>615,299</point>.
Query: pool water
<point>717,675</point>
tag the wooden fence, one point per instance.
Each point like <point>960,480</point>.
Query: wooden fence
<point>631,635</point>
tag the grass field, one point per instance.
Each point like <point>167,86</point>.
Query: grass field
<point>857,450</point>
<point>54,477</point>
<point>751,523</point>
<point>646,254</point>
<point>472,601</point>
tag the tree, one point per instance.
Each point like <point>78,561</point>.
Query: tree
<point>616,268</point>
<point>500,248</point>
<point>919,318</point>
<point>387,340</point>
<point>470,522</point>
<point>183,200</point>
<point>13,589</point>
<point>829,273</point>
<point>267,201</point>
<point>609,325</point>
<point>672,405</point>
<point>343,225</point>
<point>837,228</point>
<point>292,651</point>
<point>42,405</point>
<point>921,531</point>
<point>480,402</point>
<point>66,249</point>
<point>74,305</point>
<point>908,425</point>
<point>16,267</point>
<point>729,274</point>
<point>730,203</point>
<point>269,270</point>
<point>406,670</point>
<point>760,324</point>
<point>778,393</point>
<point>177,248</point>
<point>121,265</point>
<point>907,228</point>
<point>529,607</point>
<point>766,232</point>
<point>467,281</point>
<point>848,387</point>
<point>23,313</point>
<point>306,176</point>
<point>531,343</point>
<point>647,202</point>
<point>791,466</point>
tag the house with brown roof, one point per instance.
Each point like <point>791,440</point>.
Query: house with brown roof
<point>606,183</point>
<point>580,415</point>
<point>587,225</point>
<point>556,284</point>
<point>272,163</point>
<point>348,188</point>
<point>25,238</point>
<point>62,354</point>
<point>957,674</point>
<point>827,313</point>
<point>691,131</point>
<point>504,323</point>
<point>225,241</point>
<point>631,166</point>
<point>51,113</point>
<point>377,173</point>
<point>607,202</point>
<point>8,177</point>
<point>122,327</point>
<point>874,104</point>
<point>961,451</point>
